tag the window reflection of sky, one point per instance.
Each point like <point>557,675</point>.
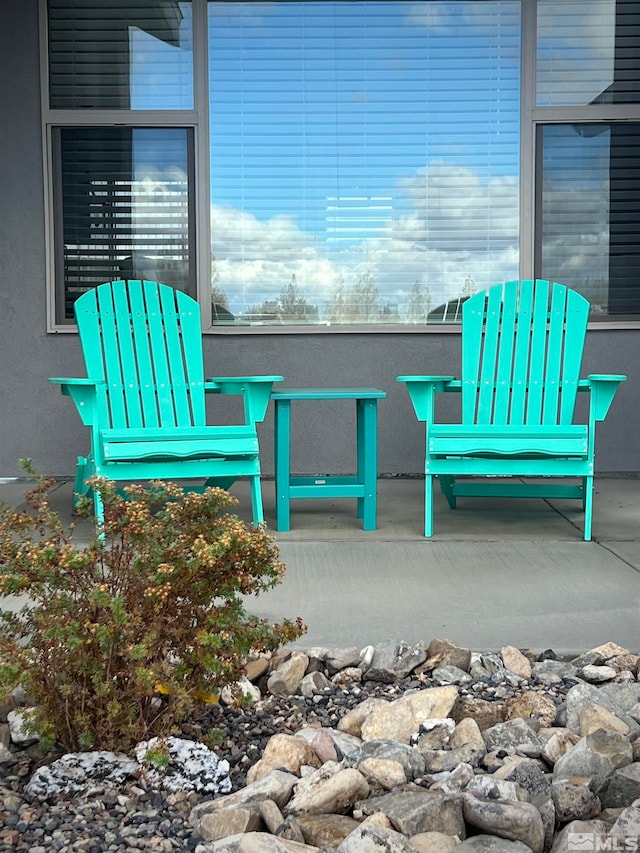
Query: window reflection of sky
<point>378,135</point>
<point>575,51</point>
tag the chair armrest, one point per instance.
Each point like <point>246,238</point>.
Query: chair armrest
<point>603,387</point>
<point>256,391</point>
<point>83,392</point>
<point>422,390</point>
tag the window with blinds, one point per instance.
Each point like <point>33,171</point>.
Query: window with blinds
<point>123,208</point>
<point>587,54</point>
<point>364,158</point>
<point>588,182</point>
<point>364,155</point>
<point>120,54</point>
<point>590,212</point>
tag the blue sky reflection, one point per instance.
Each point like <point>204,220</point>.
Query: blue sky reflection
<point>374,139</point>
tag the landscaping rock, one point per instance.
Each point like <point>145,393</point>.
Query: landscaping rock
<point>462,751</point>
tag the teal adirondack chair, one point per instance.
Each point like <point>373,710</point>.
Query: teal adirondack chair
<point>522,348</point>
<point>144,395</point>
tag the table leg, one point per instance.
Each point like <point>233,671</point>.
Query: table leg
<point>282,429</point>
<point>367,442</point>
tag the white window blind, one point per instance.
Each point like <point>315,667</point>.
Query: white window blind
<point>364,157</point>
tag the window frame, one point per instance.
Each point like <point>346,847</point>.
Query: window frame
<point>197,119</point>
<point>534,118</point>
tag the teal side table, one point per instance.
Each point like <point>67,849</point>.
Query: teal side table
<point>361,486</point>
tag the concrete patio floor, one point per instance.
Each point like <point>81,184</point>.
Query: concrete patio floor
<point>496,572</point>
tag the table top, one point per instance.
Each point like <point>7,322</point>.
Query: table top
<point>328,394</point>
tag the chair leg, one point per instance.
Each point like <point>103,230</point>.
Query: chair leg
<point>446,486</point>
<point>99,512</point>
<point>80,488</point>
<point>428,506</point>
<point>588,507</point>
<point>256,499</point>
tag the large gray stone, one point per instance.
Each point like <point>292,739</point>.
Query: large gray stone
<point>616,698</point>
<point>592,834</point>
<point>454,782</point>
<point>352,721</point>
<point>450,674</point>
<point>286,679</point>
<point>329,790</point>
<point>224,822</point>
<point>408,756</point>
<point>515,661</point>
<point>255,842</point>
<point>487,787</point>
<point>337,659</point>
<point>527,774</point>
<point>626,829</point>
<point>276,785</point>
<point>574,801</point>
<point>394,661</point>
<point>284,752</point>
<point>434,842</point>
<point>443,652</point>
<point>375,839</point>
<point>513,736</point>
<point>415,811</point>
<point>599,655</point>
<point>400,719</point>
<point>383,773</point>
<point>597,756</point>
<point>621,788</point>
<point>515,821</point>
<point>491,844</point>
<point>326,830</point>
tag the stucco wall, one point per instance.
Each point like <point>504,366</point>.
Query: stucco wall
<point>36,421</point>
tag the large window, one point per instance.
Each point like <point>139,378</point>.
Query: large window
<point>364,156</point>
<point>343,163</point>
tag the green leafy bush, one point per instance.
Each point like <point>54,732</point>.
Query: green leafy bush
<point>119,640</point>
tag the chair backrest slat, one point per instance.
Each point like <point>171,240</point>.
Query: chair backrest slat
<point>125,360</point>
<point>145,339</point>
<point>577,321</point>
<point>142,355</point>
<point>472,343</point>
<point>536,374</point>
<point>504,375</point>
<point>159,327</point>
<point>112,365</point>
<point>554,355</point>
<point>522,346</point>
